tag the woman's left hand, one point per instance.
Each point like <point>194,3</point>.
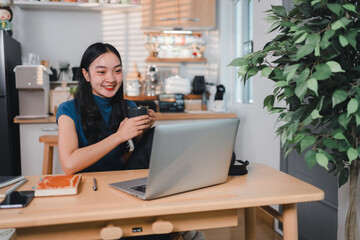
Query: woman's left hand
<point>152,116</point>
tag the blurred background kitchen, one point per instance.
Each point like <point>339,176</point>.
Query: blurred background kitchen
<point>171,54</point>
<point>59,32</point>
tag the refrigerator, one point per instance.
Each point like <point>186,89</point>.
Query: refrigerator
<point>10,56</point>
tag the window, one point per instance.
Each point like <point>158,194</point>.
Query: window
<point>243,45</point>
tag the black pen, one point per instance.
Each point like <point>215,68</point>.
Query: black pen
<point>94,185</point>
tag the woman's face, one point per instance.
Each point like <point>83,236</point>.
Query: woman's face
<point>105,75</point>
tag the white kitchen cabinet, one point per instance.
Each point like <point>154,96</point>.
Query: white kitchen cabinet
<point>32,151</point>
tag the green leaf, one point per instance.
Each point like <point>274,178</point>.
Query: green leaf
<point>345,21</point>
<point>238,61</point>
<point>312,84</point>
<point>342,23</point>
<point>351,38</point>
<point>317,50</point>
<point>320,103</point>
<point>352,154</point>
<point>335,8</point>
<point>307,120</point>
<point>325,39</point>
<point>313,39</point>
<point>306,142</point>
<point>298,138</point>
<point>281,84</point>
<point>357,118</point>
<point>350,7</point>
<point>279,10</point>
<point>271,19</point>
<point>310,158</point>
<point>303,75</point>
<point>266,71</point>
<point>344,120</point>
<point>330,143</point>
<point>269,102</point>
<point>304,51</point>
<point>289,151</point>
<point>301,38</point>
<point>283,138</point>
<point>252,72</point>
<point>301,90</point>
<point>338,97</point>
<point>339,136</point>
<point>343,41</point>
<point>290,71</point>
<point>288,92</point>
<point>315,114</point>
<point>352,106</point>
<point>334,66</point>
<point>294,29</point>
<point>343,146</point>
<point>243,70</point>
<point>322,160</point>
<point>323,71</point>
<point>274,26</point>
<point>315,2</point>
<point>343,176</point>
<point>337,25</point>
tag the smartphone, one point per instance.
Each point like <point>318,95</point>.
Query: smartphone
<point>17,199</point>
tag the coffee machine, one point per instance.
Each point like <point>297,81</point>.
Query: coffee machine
<point>32,82</point>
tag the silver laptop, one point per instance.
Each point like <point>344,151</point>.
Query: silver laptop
<point>186,156</point>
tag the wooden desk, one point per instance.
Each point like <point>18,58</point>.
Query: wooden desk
<point>84,216</point>
<point>195,115</point>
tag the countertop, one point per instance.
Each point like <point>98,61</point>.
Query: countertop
<point>191,115</point>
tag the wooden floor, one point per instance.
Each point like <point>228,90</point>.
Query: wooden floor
<point>263,231</point>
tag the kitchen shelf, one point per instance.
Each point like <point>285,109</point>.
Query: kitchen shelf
<point>75,6</point>
<point>152,98</point>
<point>192,60</point>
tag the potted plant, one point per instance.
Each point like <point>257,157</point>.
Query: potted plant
<point>314,62</point>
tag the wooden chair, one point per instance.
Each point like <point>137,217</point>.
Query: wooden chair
<point>50,141</point>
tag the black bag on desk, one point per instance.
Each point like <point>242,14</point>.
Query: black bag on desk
<point>238,169</point>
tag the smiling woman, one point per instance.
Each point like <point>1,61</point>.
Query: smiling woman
<point>93,127</point>
<point>104,75</point>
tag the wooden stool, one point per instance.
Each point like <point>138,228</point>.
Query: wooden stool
<point>50,141</point>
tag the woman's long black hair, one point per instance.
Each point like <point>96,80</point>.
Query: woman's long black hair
<point>92,121</point>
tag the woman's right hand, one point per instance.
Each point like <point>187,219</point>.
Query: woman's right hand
<point>132,127</point>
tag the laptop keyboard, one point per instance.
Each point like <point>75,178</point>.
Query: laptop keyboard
<point>140,188</point>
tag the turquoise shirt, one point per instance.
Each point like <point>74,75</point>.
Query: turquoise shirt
<point>113,160</point>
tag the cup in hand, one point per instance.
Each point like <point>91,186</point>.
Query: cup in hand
<point>136,111</point>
